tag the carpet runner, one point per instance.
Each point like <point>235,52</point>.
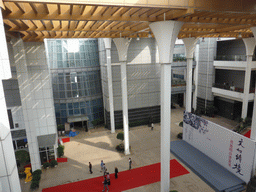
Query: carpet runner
<point>126,180</point>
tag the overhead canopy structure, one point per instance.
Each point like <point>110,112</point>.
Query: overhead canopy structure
<point>39,19</point>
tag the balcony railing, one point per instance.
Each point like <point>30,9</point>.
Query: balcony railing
<point>178,82</point>
<point>230,58</point>
<point>232,88</point>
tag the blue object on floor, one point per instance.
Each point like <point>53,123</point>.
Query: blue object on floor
<point>219,178</point>
<point>73,134</point>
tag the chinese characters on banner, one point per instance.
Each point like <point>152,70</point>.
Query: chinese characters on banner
<point>230,152</point>
<point>239,152</point>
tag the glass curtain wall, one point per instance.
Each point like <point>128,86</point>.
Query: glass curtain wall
<point>76,80</point>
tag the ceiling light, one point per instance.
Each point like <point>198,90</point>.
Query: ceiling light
<point>218,37</point>
<point>149,34</point>
<point>203,39</point>
<point>239,35</point>
<point>138,38</point>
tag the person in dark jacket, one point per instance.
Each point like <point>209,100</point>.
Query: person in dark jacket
<point>90,167</point>
<point>116,172</point>
<point>105,184</point>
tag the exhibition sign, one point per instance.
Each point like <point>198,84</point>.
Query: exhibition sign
<point>230,149</point>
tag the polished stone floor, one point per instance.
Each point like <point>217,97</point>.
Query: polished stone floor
<point>99,144</point>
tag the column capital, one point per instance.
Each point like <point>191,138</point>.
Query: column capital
<point>190,45</point>
<point>166,33</point>
<point>249,45</point>
<point>122,45</point>
<point>107,42</point>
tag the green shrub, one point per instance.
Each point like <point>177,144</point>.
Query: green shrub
<point>60,150</point>
<point>248,121</point>
<point>46,164</point>
<point>181,124</point>
<point>34,185</point>
<point>36,177</point>
<point>173,191</point>
<point>120,136</point>
<point>99,121</point>
<point>22,156</point>
<point>53,163</point>
<point>38,171</point>
<point>120,147</point>
<point>60,127</point>
<point>239,119</point>
<point>179,136</point>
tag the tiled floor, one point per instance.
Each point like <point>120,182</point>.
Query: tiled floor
<point>98,144</point>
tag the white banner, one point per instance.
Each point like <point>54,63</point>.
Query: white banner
<point>230,149</point>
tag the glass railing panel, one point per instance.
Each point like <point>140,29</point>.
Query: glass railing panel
<point>230,58</point>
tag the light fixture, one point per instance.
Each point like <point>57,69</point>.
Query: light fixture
<point>203,39</point>
<point>149,34</point>
<point>239,35</point>
<point>218,37</point>
<point>138,38</point>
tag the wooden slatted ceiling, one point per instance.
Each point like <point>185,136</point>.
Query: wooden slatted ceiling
<point>36,21</point>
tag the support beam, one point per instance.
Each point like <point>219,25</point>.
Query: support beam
<point>122,45</point>
<point>165,33</point>
<point>107,42</point>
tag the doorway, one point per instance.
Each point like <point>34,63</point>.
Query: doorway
<point>81,125</point>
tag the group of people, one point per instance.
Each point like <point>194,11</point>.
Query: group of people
<point>106,175</point>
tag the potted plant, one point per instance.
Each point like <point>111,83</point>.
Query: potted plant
<point>60,150</point>
<point>54,163</point>
<point>60,128</point>
<point>46,165</point>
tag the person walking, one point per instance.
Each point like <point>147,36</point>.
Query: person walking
<point>104,169</point>
<point>152,126</point>
<point>130,163</point>
<point>105,183</point>
<point>90,167</point>
<point>101,165</point>
<point>108,178</point>
<point>116,172</point>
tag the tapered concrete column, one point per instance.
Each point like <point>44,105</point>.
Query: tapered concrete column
<point>190,44</point>
<point>122,45</point>
<point>165,33</point>
<point>9,180</point>
<point>196,76</point>
<point>107,42</point>
<point>253,126</point>
<point>249,45</point>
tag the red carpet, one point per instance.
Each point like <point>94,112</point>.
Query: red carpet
<point>248,134</point>
<point>126,180</point>
<point>64,140</point>
<point>60,160</point>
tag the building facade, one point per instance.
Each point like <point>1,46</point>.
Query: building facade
<point>76,81</point>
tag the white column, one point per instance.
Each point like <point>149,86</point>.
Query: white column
<point>190,44</point>
<point>165,33</point>
<point>107,42</point>
<point>27,101</point>
<point>122,45</point>
<point>253,126</point>
<point>249,45</point>
<point>9,180</point>
<point>196,76</point>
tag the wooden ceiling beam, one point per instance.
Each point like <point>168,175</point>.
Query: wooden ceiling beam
<point>33,7</point>
<point>19,7</point>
